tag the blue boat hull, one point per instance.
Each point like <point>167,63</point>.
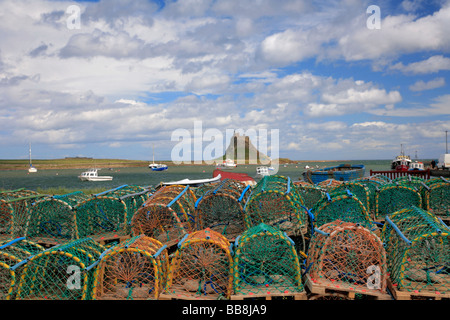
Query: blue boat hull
<point>159,169</point>
<point>340,173</point>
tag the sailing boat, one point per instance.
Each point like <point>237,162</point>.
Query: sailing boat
<point>31,169</point>
<point>157,166</point>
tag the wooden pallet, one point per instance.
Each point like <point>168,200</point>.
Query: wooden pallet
<point>416,295</point>
<point>110,237</point>
<point>326,287</point>
<point>270,296</point>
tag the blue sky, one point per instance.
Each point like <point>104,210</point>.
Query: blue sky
<point>136,71</point>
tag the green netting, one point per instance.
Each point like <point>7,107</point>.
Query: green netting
<point>133,196</point>
<point>436,197</point>
<point>310,194</point>
<point>266,262</point>
<point>329,184</point>
<point>358,189</point>
<point>347,256</point>
<point>51,221</point>
<point>12,252</point>
<point>15,215</point>
<point>63,272</point>
<point>167,215</point>
<point>204,188</point>
<point>372,185</point>
<point>275,201</point>
<point>72,198</point>
<point>418,250</point>
<point>341,205</point>
<point>409,181</point>
<point>393,197</point>
<point>135,269</point>
<point>202,267</point>
<point>101,216</point>
<point>222,208</point>
<point>14,206</point>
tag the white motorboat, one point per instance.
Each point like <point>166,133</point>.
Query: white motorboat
<point>92,175</point>
<point>227,164</point>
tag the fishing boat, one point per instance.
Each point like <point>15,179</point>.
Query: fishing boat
<point>31,169</point>
<point>193,183</point>
<point>342,172</point>
<point>401,162</point>
<point>157,166</point>
<point>92,175</point>
<point>227,164</point>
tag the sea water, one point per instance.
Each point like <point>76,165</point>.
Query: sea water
<point>143,176</point>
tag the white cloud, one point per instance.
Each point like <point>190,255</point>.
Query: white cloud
<point>430,65</point>
<point>420,85</point>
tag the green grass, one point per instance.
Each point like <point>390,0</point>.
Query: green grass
<point>68,163</point>
<point>63,190</point>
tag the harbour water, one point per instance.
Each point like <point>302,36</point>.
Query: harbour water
<point>143,176</point>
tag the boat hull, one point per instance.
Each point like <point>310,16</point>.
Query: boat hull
<point>340,173</point>
<point>159,169</point>
<point>101,178</point>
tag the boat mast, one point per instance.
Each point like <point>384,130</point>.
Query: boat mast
<point>29,148</point>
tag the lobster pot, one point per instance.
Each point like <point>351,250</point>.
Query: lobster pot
<point>409,181</point>
<point>133,196</point>
<point>276,202</point>
<point>329,184</point>
<point>266,262</point>
<point>372,184</point>
<point>181,199</point>
<point>393,197</point>
<point>12,252</point>
<point>311,194</point>
<point>418,251</point>
<point>100,217</point>
<point>52,221</point>
<point>357,189</point>
<point>202,267</point>
<point>347,256</point>
<point>167,215</point>
<point>436,197</point>
<point>135,269</point>
<point>222,209</point>
<point>342,205</point>
<point>63,272</point>
<point>14,216</point>
<point>72,198</point>
<point>9,210</point>
<point>204,188</point>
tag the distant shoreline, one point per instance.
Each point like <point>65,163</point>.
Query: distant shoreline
<point>86,163</point>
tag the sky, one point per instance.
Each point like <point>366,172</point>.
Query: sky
<point>321,80</point>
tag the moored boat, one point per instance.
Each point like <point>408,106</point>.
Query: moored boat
<point>92,175</point>
<point>227,164</point>
<point>234,175</point>
<point>342,172</point>
<point>401,162</point>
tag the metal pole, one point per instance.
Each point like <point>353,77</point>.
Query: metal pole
<point>446,148</point>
